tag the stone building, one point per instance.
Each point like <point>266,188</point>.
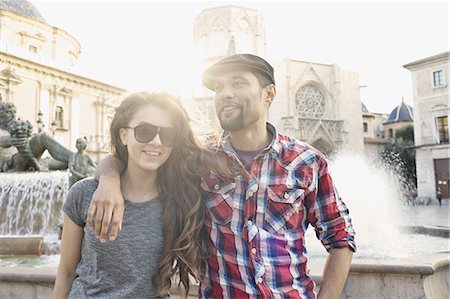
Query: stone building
<point>36,63</point>
<point>400,117</point>
<point>218,32</point>
<point>319,104</point>
<point>431,111</point>
<point>315,102</point>
<point>373,132</point>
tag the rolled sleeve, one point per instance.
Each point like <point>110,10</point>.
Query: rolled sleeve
<point>330,216</point>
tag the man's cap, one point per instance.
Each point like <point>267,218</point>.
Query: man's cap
<point>248,62</point>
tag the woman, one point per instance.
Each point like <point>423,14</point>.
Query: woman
<point>163,218</point>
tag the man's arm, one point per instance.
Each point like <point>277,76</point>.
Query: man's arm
<point>335,273</point>
<point>107,202</point>
<point>330,217</point>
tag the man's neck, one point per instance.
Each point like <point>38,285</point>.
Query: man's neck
<point>252,138</point>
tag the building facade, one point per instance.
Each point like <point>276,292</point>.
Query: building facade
<point>36,62</point>
<point>318,104</point>
<point>313,99</point>
<point>399,118</point>
<point>431,111</point>
<point>218,32</point>
<point>373,132</point>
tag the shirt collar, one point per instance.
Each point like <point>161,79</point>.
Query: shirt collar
<point>274,146</point>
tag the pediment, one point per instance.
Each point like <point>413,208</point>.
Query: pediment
<point>8,75</point>
<point>65,91</point>
<point>309,75</point>
<point>322,133</point>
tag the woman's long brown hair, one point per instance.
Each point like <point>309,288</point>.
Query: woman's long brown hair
<point>178,180</point>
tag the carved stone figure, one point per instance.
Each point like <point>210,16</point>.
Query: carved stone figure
<point>80,164</point>
<point>15,133</point>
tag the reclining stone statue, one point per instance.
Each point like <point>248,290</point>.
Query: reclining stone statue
<point>29,148</point>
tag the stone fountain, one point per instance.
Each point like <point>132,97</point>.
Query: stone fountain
<point>31,210</point>
<point>33,188</point>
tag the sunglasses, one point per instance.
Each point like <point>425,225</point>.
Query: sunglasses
<point>147,132</point>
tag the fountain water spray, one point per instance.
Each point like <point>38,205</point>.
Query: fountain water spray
<point>31,203</point>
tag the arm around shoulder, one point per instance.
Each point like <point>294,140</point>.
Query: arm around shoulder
<point>107,204</point>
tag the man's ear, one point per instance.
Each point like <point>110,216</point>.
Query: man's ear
<point>123,136</point>
<point>271,92</point>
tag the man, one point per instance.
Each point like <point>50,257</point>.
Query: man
<point>256,222</point>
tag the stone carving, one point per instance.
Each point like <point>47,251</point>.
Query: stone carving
<point>307,128</point>
<point>16,133</point>
<point>310,102</point>
<point>20,132</point>
<point>80,164</point>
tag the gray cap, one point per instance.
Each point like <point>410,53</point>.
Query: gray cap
<point>238,61</point>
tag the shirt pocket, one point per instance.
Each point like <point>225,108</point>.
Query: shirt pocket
<point>285,208</point>
<point>218,199</point>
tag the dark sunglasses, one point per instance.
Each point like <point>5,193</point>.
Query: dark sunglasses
<point>146,132</point>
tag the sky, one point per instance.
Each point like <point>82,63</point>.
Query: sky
<point>141,45</point>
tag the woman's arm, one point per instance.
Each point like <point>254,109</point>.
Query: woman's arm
<point>72,236</point>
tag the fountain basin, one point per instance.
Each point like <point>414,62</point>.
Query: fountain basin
<point>21,245</point>
<point>415,278</point>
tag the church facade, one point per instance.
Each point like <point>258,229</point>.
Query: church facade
<point>316,103</point>
<point>36,62</point>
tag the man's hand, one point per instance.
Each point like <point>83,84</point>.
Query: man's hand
<point>107,204</point>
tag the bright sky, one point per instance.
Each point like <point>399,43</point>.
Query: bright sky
<point>141,45</point>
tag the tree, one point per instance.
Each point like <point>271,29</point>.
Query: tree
<point>401,156</point>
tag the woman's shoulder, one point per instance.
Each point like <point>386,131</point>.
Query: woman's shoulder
<point>84,186</point>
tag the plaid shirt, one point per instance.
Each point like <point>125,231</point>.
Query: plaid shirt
<point>257,222</point>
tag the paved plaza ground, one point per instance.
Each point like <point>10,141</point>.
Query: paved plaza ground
<point>430,215</point>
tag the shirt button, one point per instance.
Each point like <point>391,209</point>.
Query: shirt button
<point>250,194</point>
<point>250,222</point>
<point>286,195</point>
<point>259,280</point>
<point>254,250</point>
<point>216,186</point>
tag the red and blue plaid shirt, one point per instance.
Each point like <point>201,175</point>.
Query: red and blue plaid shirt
<point>257,222</point>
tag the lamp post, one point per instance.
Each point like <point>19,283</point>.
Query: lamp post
<point>39,122</point>
<point>53,127</point>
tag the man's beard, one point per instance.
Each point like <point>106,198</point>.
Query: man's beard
<point>233,124</point>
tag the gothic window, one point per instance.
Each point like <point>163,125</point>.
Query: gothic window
<point>310,102</point>
<point>218,25</point>
<point>243,25</point>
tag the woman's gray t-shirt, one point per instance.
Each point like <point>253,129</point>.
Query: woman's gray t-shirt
<point>121,268</point>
